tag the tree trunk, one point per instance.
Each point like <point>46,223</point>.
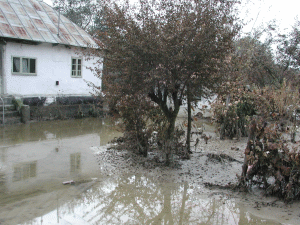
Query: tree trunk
<point>170,114</point>
<point>189,126</point>
<point>251,139</point>
<point>168,145</point>
<point>171,128</point>
<point>254,135</point>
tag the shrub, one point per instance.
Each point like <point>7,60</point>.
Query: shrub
<point>271,162</point>
<point>238,103</point>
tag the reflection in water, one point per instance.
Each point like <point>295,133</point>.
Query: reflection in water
<point>2,182</point>
<point>75,162</point>
<point>142,200</point>
<point>38,157</point>
<point>49,130</point>
<point>2,155</point>
<point>24,171</point>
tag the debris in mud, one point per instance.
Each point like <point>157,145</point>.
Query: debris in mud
<point>219,186</point>
<point>221,158</point>
<point>235,149</point>
<point>68,182</point>
<point>206,138</point>
<point>117,140</point>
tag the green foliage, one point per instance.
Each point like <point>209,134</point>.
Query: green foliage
<point>80,113</point>
<point>95,111</point>
<point>18,103</point>
<point>245,108</point>
<point>233,109</point>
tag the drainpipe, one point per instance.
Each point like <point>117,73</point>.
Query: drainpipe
<point>1,68</point>
<point>2,80</point>
<point>2,109</point>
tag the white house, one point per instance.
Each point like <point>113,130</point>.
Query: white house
<point>40,52</point>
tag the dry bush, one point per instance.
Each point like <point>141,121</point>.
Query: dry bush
<point>236,105</point>
<point>135,114</point>
<point>271,162</point>
<point>145,128</point>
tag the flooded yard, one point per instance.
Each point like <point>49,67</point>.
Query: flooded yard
<point>36,158</point>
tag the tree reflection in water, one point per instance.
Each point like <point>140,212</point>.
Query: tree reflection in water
<point>134,200</point>
<point>139,199</point>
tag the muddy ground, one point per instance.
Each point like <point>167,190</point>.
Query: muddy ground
<point>205,166</point>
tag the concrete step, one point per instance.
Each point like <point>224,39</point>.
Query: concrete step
<point>7,100</point>
<point>8,107</point>
<point>9,114</point>
<point>10,121</point>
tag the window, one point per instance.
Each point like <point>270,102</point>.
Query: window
<point>75,162</point>
<point>24,171</point>
<point>76,67</point>
<point>24,66</point>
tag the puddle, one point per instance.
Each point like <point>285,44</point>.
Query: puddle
<point>38,157</point>
<point>35,160</point>
<point>131,199</point>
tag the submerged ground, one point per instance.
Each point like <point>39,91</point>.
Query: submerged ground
<point>116,187</point>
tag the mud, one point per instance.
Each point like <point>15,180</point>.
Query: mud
<point>212,166</point>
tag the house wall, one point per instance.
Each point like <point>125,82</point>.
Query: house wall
<point>53,64</point>
<point>203,107</point>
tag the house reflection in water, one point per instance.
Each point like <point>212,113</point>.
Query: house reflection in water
<point>36,158</point>
<point>2,172</point>
<point>2,182</point>
<point>40,156</point>
<point>24,171</point>
<point>75,163</point>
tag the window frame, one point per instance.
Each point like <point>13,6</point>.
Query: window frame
<point>76,66</point>
<point>21,66</point>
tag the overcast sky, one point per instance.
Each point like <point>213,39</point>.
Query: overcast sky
<point>263,11</point>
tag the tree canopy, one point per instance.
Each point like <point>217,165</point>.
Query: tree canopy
<point>155,49</point>
<point>288,54</point>
<point>87,14</point>
<point>161,45</point>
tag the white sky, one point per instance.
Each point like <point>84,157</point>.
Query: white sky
<point>284,12</point>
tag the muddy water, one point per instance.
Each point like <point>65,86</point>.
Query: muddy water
<point>36,159</point>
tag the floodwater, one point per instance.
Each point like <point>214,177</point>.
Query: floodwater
<point>36,158</point>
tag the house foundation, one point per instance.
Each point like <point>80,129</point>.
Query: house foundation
<point>64,107</point>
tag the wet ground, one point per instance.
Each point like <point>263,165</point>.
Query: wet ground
<point>35,160</point>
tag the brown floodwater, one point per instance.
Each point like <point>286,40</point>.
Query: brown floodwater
<point>36,158</point>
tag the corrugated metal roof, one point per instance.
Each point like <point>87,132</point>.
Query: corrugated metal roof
<point>34,20</point>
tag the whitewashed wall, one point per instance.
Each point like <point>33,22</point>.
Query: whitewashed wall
<point>53,64</point>
<point>207,112</point>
